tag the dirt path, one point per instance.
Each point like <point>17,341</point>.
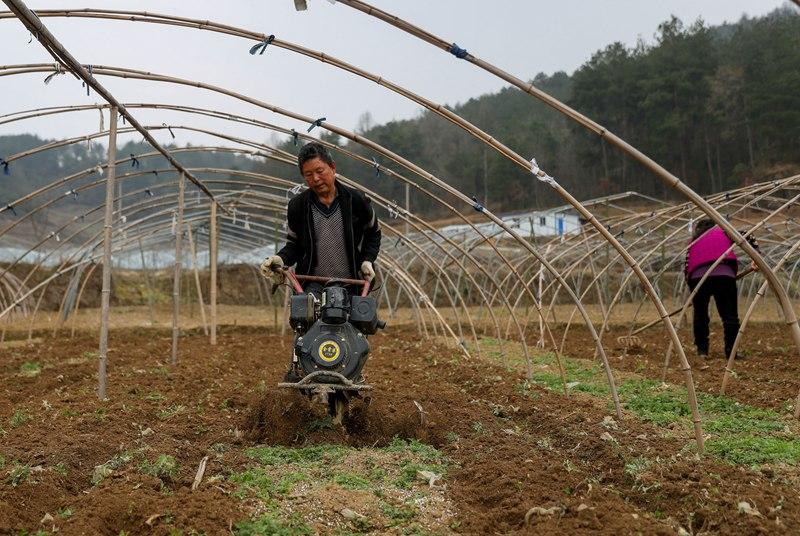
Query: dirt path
<point>511,450</point>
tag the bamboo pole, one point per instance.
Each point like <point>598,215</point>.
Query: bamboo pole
<point>105,296</point>
<point>176,282</point>
<point>212,290</point>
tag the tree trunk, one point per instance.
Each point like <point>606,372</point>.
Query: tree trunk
<point>708,158</point>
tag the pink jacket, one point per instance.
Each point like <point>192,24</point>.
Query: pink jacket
<point>708,248</point>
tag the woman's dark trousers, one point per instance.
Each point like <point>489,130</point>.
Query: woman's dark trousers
<point>723,290</point>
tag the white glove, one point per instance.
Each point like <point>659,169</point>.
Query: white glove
<point>367,271</point>
<point>271,269</point>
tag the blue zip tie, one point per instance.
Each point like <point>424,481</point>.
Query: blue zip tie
<point>377,168</point>
<point>262,45</point>
<point>316,123</point>
<point>294,137</point>
<point>11,208</point>
<point>134,161</point>
<point>170,129</point>
<point>477,206</point>
<point>5,165</point>
<point>458,52</point>
<point>50,76</point>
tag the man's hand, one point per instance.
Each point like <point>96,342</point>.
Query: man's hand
<point>367,271</point>
<point>272,268</point>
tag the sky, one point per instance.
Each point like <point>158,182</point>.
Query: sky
<point>524,37</point>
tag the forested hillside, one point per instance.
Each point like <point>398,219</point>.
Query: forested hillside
<point>717,106</point>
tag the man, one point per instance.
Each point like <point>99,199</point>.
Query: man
<point>332,230</point>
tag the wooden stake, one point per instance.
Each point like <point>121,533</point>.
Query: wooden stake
<point>201,470</point>
<point>176,282</point>
<point>212,291</point>
<point>105,297</point>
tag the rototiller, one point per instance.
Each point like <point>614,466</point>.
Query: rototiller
<point>330,347</point>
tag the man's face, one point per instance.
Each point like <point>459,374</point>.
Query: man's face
<point>319,176</point>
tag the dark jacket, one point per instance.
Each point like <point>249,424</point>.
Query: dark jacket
<point>362,233</point>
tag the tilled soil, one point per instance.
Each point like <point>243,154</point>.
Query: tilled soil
<point>542,456</point>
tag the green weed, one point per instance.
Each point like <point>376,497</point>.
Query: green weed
<point>408,473</point>
<point>170,412</point>
<point>398,515</point>
<point>637,466</point>
<point>164,467</point>
<point>64,513</point>
<point>29,369</point>
<point>18,474</point>
<point>220,448</point>
<point>19,418</point>
<point>104,470</point>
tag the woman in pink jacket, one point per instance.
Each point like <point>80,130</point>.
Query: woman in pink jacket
<point>709,242</point>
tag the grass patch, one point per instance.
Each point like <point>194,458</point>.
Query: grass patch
<point>255,481</point>
<point>741,434</point>
<point>381,477</point>
<point>29,369</point>
<point>285,455</point>
<point>351,481</point>
<point>755,450</point>
<point>582,376</point>
<point>270,523</point>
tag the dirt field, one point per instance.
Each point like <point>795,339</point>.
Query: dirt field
<point>503,455</point>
